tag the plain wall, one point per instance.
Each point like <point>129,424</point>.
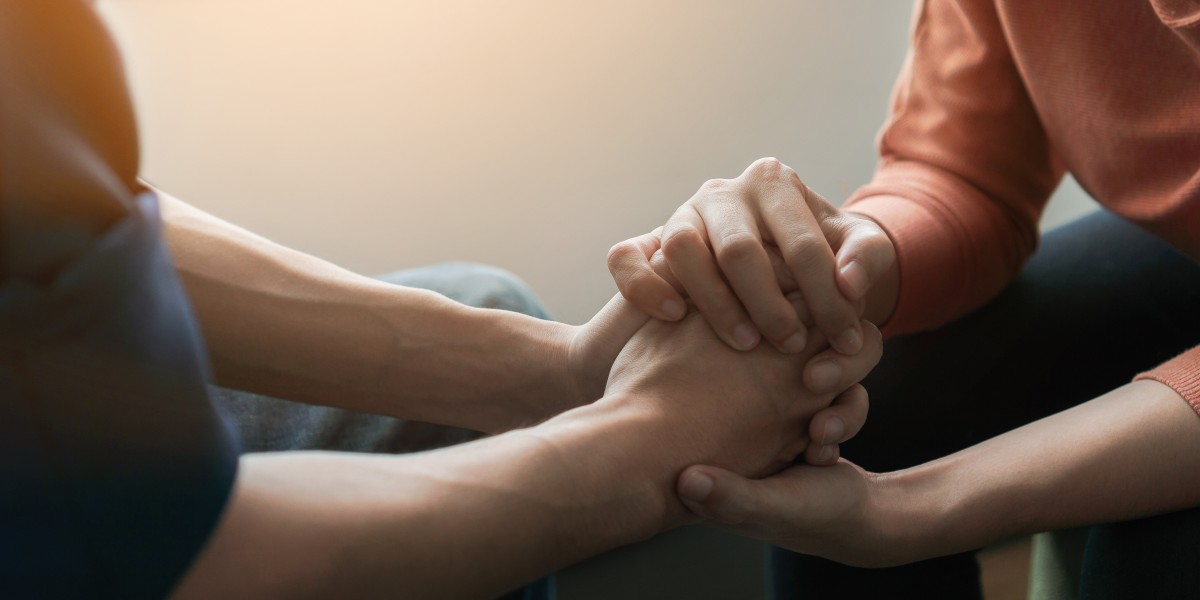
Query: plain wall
<point>528,134</point>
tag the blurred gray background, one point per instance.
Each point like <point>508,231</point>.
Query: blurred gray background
<point>528,134</point>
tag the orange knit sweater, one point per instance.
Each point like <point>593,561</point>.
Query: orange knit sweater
<point>995,102</point>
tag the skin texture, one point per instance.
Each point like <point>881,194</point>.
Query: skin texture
<point>509,508</point>
<point>724,246</point>
<point>284,323</point>
<point>1115,458</point>
<point>742,251</point>
<point>1131,453</point>
<point>647,368</point>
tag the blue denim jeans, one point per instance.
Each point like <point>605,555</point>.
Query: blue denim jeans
<point>267,424</point>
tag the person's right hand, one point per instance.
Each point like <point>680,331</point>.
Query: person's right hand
<point>747,412</point>
<point>842,513</point>
<point>720,247</point>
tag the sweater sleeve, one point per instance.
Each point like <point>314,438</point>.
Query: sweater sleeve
<point>1181,374</point>
<point>965,167</point>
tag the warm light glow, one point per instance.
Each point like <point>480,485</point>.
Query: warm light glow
<point>530,134</point>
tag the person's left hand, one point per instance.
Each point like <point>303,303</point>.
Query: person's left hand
<point>720,246</point>
<point>842,512</point>
<point>593,347</point>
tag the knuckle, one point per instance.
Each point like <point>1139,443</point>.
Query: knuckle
<point>771,171</point>
<point>658,264</point>
<point>618,255</point>
<point>804,249</point>
<point>680,241</point>
<point>737,247</point>
<point>716,185</point>
<point>863,230</point>
<point>638,288</point>
<point>767,165</point>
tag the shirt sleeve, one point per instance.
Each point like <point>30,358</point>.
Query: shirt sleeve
<point>965,168</point>
<point>1181,374</point>
<point>114,464</point>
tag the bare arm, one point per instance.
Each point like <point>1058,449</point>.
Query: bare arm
<point>487,516</point>
<point>281,322</point>
<point>1131,453</point>
<point>465,522</point>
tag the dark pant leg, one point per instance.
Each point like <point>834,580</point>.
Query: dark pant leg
<point>1157,557</point>
<point>1099,302</point>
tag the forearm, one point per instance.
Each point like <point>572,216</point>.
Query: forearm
<point>465,522</point>
<point>481,517</point>
<point>1131,453</point>
<point>284,323</point>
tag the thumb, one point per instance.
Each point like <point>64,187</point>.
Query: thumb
<point>617,322</point>
<point>726,497</point>
<point>864,254</point>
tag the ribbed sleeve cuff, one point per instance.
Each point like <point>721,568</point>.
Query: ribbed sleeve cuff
<point>956,249</point>
<point>1181,374</point>
<point>920,244</point>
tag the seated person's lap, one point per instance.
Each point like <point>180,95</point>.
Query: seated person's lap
<point>1098,303</point>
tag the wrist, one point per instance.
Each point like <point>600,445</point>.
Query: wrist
<point>533,360</point>
<point>483,369</point>
<point>627,450</point>
<point>909,514</point>
<point>937,508</point>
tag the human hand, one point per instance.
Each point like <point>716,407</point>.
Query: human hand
<point>718,246</point>
<point>745,411</point>
<point>842,512</point>
<point>592,348</point>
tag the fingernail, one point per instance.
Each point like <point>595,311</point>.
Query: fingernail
<point>696,487</point>
<point>825,453</point>
<point>825,376</point>
<point>850,342</point>
<point>745,336</point>
<point>855,277</point>
<point>672,309</point>
<point>834,428</point>
<point>795,343</point>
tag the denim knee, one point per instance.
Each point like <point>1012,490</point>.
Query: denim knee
<point>473,284</point>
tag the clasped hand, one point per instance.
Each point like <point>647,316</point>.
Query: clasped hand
<point>759,256</point>
<point>745,411</point>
